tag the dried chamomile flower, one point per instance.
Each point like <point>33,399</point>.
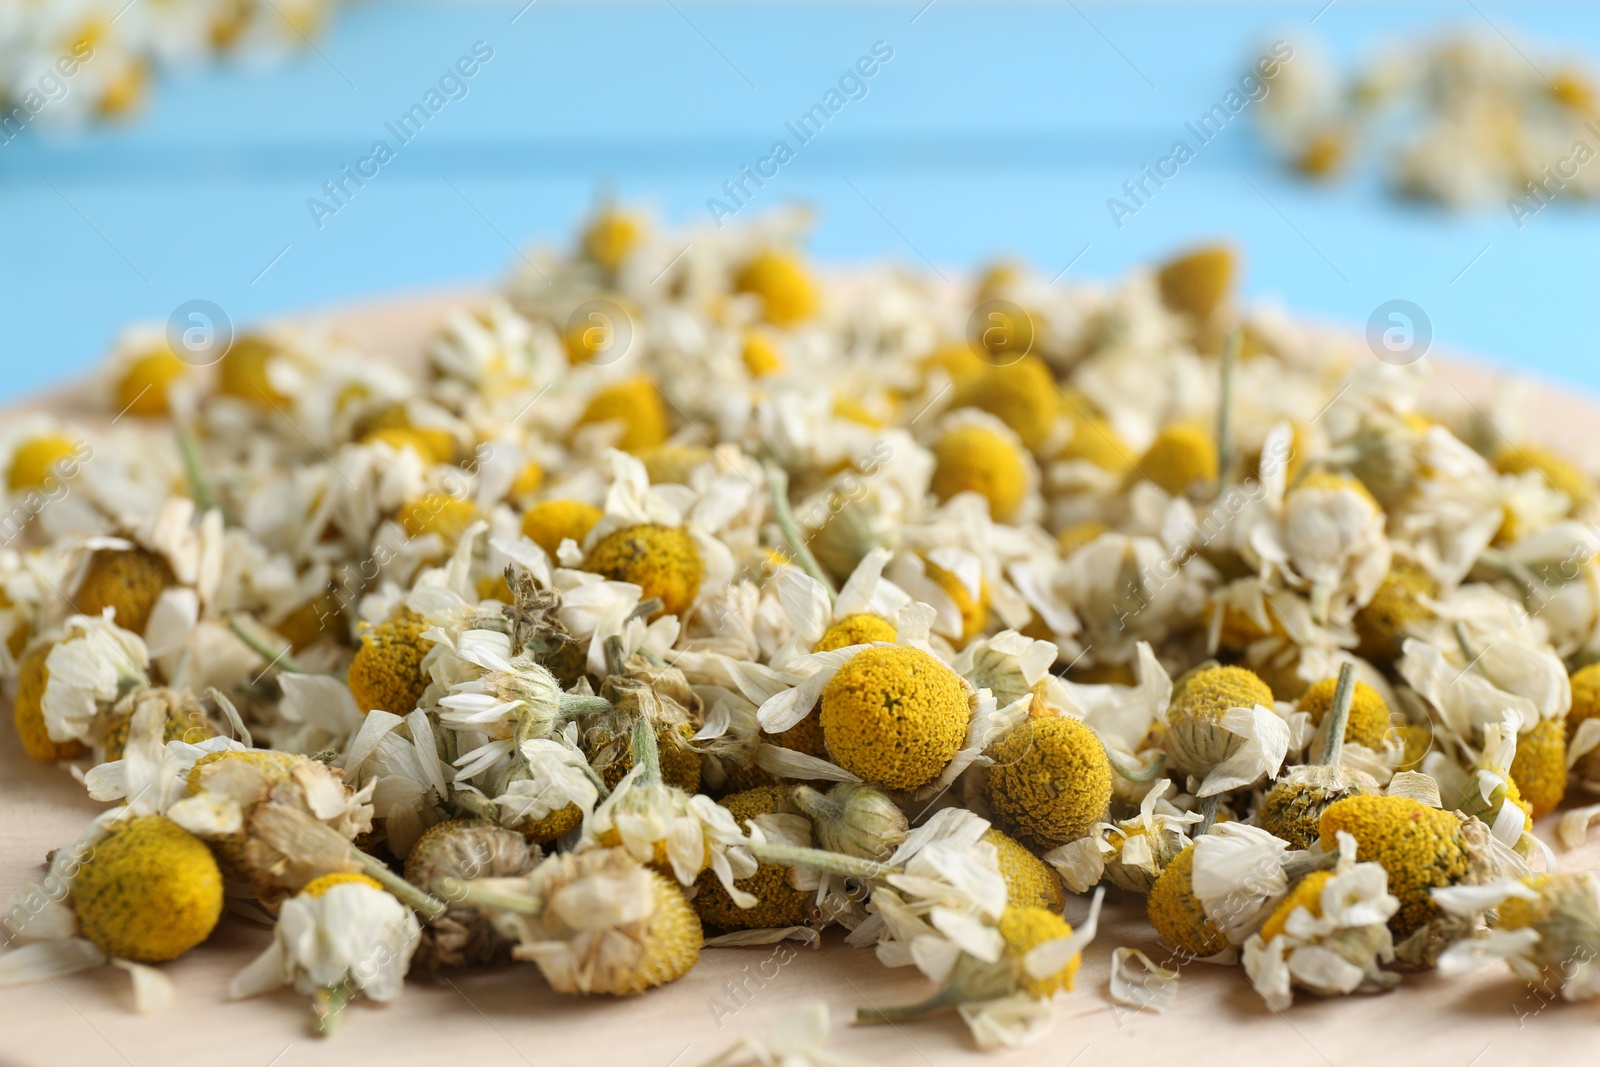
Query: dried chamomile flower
<point>661,825</point>
<point>1029,881</point>
<point>126,582</point>
<point>1545,926</point>
<point>1329,936</point>
<point>854,819</point>
<point>1368,720</point>
<point>550,522</point>
<point>182,715</point>
<point>1481,785</point>
<point>1128,853</point>
<point>1292,809</point>
<point>1022,394</point>
<point>387,673</point>
<point>1003,988</point>
<point>1583,723</point>
<point>1560,472</point>
<point>1220,726</point>
<point>150,891</point>
<point>340,936</point>
<point>662,561</point>
<point>1177,914</point>
<point>92,666</point>
<point>465,849</point>
<point>633,410</point>
<point>974,456</point>
<point>1421,848</point>
<point>593,922</point>
<point>1196,283</point>
<point>1181,458</point>
<point>1050,779</point>
<point>275,820</point>
<point>894,716</point>
<point>28,710</point>
<point>788,294</point>
<point>551,789</point>
<point>771,812</point>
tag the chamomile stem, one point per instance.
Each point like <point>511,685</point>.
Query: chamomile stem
<point>580,704</point>
<point>945,998</point>
<point>1300,866</point>
<point>778,483</point>
<point>1338,715</point>
<point>258,644</point>
<point>478,896</point>
<point>645,752</point>
<point>819,859</point>
<point>199,484</point>
<point>1230,358</point>
<point>328,1005</point>
<point>429,907</point>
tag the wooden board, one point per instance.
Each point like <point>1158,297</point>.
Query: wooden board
<point>486,1018</point>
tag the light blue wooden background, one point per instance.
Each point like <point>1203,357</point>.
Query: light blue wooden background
<point>994,128</point>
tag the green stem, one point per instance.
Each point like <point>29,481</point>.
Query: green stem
<point>580,704</point>
<point>1230,359</point>
<point>816,804</point>
<point>204,498</point>
<point>328,1004</point>
<point>645,752</point>
<point>474,804</point>
<point>819,859</point>
<point>645,608</point>
<point>1300,866</point>
<point>778,483</point>
<point>1338,715</point>
<point>1208,815</point>
<point>257,643</point>
<point>429,907</point>
<point>944,998</point>
<point>476,896</point>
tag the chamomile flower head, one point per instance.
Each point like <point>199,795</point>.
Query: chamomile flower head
<point>1421,848</point>
<point>1030,883</point>
<point>1021,394</point>
<point>33,675</point>
<point>258,370</point>
<point>894,716</point>
<point>274,820</point>
<point>1182,457</point>
<point>633,409</point>
<point>183,719</point>
<point>551,790</point>
<point>1582,740</point>
<point>1129,853</point>
<point>340,936</point>
<point>1539,768</point>
<point>1177,914</point>
<point>667,828</point>
<point>34,460</point>
<point>1050,779</point>
<point>93,665</point>
<point>596,922</point>
<point>671,464</point>
<point>503,693</point>
<point>1095,441</point>
<point>967,592</point>
<point>146,374</point>
<point>1197,283</point>
<point>1329,936</point>
<point>1368,721</point>
<point>862,628</point>
<point>972,457</point>
<point>786,290</point>
<point>662,561</point>
<point>128,581</point>
<point>550,522</point>
<point>387,673</point>
<point>612,235</point>
<point>1214,712</point>
<point>1557,470</point>
<point>854,819</point>
<point>149,892</point>
<point>465,849</point>
<point>1544,926</point>
<point>1292,809</point>
<point>771,812</point>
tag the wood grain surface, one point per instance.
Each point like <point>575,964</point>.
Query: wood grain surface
<point>507,1016</point>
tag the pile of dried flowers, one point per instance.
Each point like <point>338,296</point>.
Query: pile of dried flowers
<point>684,592</point>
